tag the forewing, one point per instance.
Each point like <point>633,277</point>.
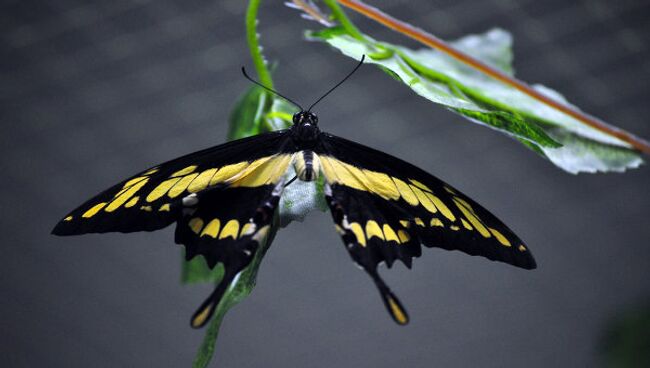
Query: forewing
<point>156,197</point>
<point>413,202</point>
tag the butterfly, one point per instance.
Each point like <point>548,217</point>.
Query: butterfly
<point>223,201</point>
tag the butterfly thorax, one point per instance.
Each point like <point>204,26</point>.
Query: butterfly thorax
<point>305,135</point>
<point>305,130</point>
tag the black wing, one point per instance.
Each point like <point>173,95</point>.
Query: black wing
<point>385,208</point>
<point>227,227</point>
<point>154,198</point>
<point>223,199</point>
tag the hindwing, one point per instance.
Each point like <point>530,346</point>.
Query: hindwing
<point>227,227</point>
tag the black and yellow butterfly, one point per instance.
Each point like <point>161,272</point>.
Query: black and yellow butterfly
<point>223,200</point>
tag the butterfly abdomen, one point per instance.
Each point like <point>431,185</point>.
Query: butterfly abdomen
<point>307,165</point>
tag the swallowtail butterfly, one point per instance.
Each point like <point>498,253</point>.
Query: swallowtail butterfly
<point>223,200</point>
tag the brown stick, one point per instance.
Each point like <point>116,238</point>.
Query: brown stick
<point>436,43</point>
<point>313,12</point>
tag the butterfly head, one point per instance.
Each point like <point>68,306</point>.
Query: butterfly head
<point>305,130</point>
<point>305,118</point>
<point>305,127</point>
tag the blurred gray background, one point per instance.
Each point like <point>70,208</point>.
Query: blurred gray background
<point>93,91</point>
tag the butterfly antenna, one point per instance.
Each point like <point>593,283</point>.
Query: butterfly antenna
<point>363,57</point>
<point>243,70</point>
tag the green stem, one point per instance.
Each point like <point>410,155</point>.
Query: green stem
<point>344,21</point>
<point>253,40</point>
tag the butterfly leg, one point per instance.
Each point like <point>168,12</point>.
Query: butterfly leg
<point>290,181</point>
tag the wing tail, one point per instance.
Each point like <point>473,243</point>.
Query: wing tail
<point>392,303</point>
<point>204,313</point>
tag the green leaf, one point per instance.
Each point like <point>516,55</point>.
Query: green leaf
<point>568,143</point>
<point>626,341</point>
<point>580,154</point>
<point>196,271</point>
<point>246,118</point>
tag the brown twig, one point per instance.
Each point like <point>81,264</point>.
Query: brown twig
<point>436,43</point>
<point>312,11</point>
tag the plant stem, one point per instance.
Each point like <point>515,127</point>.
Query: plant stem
<point>436,43</point>
<point>253,39</point>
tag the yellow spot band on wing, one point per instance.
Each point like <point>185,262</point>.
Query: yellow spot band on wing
<point>419,222</point>
<point>342,173</point>
<point>389,233</point>
<point>122,198</point>
<point>201,317</point>
<point>266,170</point>
<point>406,192</point>
<point>212,228</point>
<point>381,184</point>
<point>132,202</point>
<point>162,189</point>
<point>500,237</point>
<point>93,210</point>
<point>164,208</point>
<point>424,201</point>
<point>358,233</point>
<point>522,248</point>
<point>256,173</point>
<point>185,171</point>
<point>420,185</point>
<point>231,228</point>
<point>466,224</point>
<point>181,186</point>
<point>397,312</point>
<point>404,237</point>
<point>129,183</point>
<point>472,218</point>
<point>228,172</point>
<point>196,224</point>
<point>146,208</point>
<point>436,222</point>
<point>440,205</point>
<point>201,182</point>
<point>247,229</point>
<point>449,190</point>
<point>373,229</point>
<point>69,218</point>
